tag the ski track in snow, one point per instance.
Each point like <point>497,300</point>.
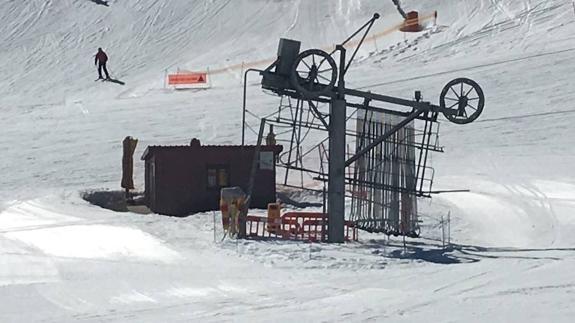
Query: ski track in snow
<point>513,244</point>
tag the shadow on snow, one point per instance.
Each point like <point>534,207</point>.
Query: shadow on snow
<point>115,81</point>
<point>433,252</point>
<point>100,2</point>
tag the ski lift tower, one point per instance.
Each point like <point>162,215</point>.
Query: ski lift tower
<point>314,76</point>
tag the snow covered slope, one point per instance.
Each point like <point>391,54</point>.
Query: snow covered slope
<point>48,46</point>
<point>61,134</point>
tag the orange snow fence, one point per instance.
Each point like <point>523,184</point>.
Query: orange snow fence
<point>245,65</point>
<point>302,226</point>
<point>187,78</point>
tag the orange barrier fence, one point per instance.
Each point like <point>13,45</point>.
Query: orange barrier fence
<point>304,226</point>
<point>246,65</point>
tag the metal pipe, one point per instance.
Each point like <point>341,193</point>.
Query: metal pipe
<point>419,166</point>
<point>378,97</point>
<point>341,81</point>
<point>393,100</point>
<point>371,21</point>
<point>336,181</point>
<point>398,6</point>
<point>359,45</point>
<point>244,102</point>
<point>319,116</point>
<point>292,139</point>
<point>425,156</point>
<point>253,171</point>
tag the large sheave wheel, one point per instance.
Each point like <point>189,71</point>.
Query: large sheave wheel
<point>462,101</point>
<point>314,74</point>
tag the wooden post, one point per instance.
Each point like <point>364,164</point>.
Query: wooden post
<point>165,78</point>
<point>129,147</point>
<point>442,233</point>
<point>209,76</point>
<point>242,72</point>
<point>449,228</point>
<point>214,214</point>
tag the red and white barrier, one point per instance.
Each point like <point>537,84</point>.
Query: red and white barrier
<point>188,80</point>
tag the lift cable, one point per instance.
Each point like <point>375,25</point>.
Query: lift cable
<point>469,68</point>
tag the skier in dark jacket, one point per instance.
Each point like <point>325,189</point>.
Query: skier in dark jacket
<point>101,59</point>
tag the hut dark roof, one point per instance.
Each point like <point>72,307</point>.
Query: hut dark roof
<point>150,150</point>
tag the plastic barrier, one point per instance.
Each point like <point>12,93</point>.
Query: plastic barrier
<point>187,78</point>
<point>304,226</point>
<point>274,218</point>
<point>232,202</point>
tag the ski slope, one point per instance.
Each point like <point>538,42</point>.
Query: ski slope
<point>62,259</point>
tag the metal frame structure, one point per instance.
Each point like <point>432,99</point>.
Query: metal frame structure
<point>300,76</point>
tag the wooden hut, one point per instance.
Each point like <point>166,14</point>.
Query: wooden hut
<point>181,180</point>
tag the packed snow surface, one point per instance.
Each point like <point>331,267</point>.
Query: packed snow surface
<point>62,259</point>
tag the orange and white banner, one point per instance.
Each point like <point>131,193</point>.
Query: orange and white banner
<point>187,78</point>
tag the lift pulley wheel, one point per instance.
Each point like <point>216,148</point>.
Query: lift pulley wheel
<point>462,101</point>
<point>314,73</point>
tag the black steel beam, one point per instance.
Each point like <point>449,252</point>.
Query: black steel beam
<point>245,98</point>
<point>393,100</point>
<point>368,25</point>
<point>372,96</point>
<point>336,170</point>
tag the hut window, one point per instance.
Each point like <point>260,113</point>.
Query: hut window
<point>218,176</point>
